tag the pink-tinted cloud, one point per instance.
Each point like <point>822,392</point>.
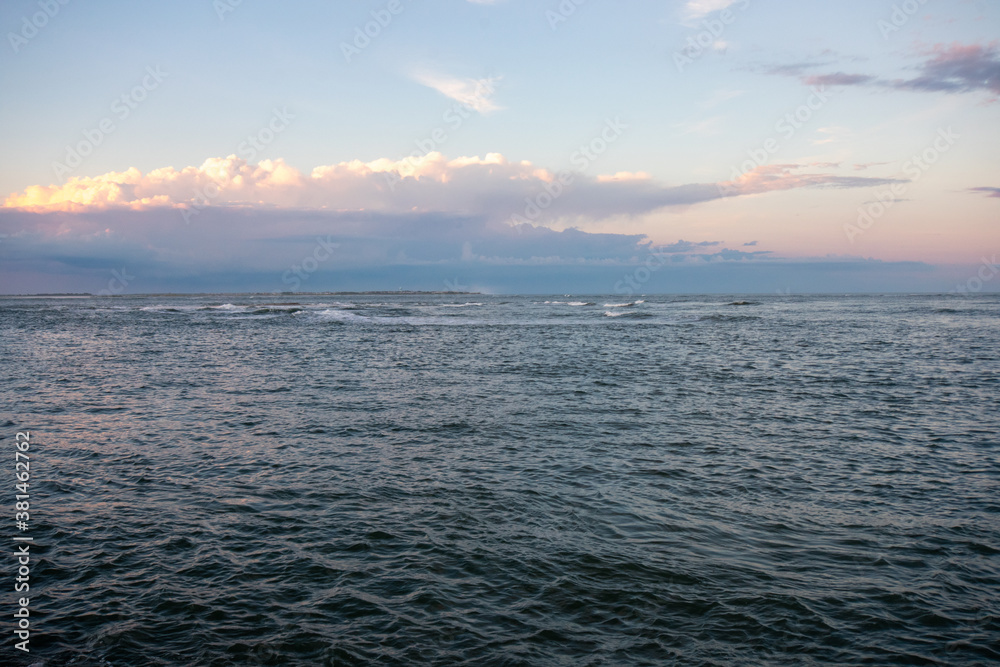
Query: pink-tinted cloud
<point>958,68</point>
<point>948,68</point>
<point>777,177</point>
<point>491,187</point>
<point>230,218</point>
<point>837,79</point>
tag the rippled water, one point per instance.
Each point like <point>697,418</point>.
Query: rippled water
<point>481,480</point>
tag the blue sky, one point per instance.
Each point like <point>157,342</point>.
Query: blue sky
<point>506,146</point>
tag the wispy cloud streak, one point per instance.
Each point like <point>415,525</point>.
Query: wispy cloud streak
<point>476,94</point>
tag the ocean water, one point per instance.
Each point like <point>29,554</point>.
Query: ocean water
<point>491,480</point>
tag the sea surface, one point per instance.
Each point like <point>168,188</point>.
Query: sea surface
<point>496,480</point>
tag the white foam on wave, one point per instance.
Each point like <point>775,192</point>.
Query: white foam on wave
<point>229,308</point>
<point>613,313</point>
<point>163,308</point>
<point>624,305</point>
<point>345,316</point>
<point>314,308</point>
<point>569,303</point>
<point>459,305</point>
<point>232,308</point>
<point>339,315</point>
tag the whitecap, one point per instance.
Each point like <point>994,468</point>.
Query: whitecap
<point>341,315</point>
<point>162,308</point>
<point>228,307</point>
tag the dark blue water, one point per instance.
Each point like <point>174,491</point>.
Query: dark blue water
<point>482,480</point>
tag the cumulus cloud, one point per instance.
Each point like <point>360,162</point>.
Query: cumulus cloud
<point>227,216</point>
<point>490,186</point>
<point>231,181</point>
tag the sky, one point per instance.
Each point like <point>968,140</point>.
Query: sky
<point>504,146</point>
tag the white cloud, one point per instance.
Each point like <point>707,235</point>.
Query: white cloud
<point>489,187</point>
<point>230,217</point>
<point>474,93</point>
<point>698,9</point>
